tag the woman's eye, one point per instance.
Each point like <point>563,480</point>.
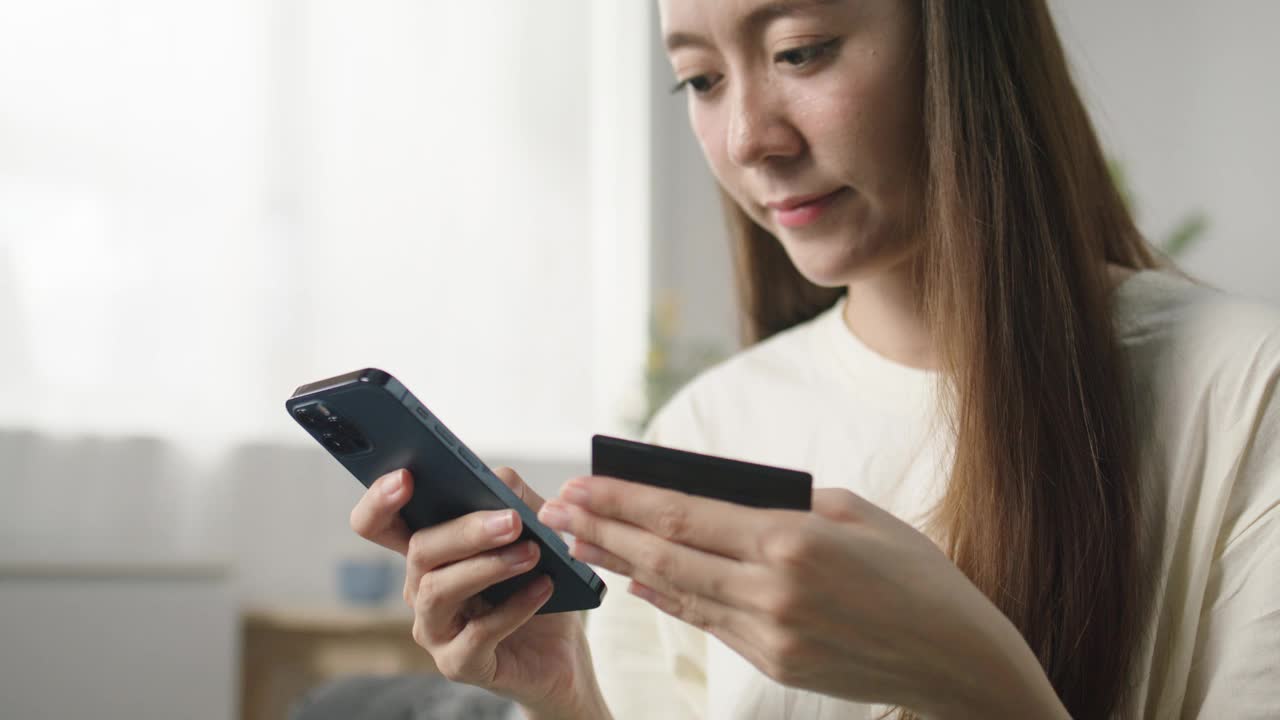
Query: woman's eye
<point>802,56</point>
<point>796,57</point>
<point>700,84</point>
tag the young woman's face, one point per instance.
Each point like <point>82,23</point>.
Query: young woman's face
<point>793,100</point>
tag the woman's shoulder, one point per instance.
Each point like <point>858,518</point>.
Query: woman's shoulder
<point>1199,355</point>
<point>1175,325</point>
<point>1206,365</point>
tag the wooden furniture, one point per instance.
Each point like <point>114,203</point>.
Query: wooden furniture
<point>288,650</point>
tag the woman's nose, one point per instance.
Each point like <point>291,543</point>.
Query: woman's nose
<point>758,130</point>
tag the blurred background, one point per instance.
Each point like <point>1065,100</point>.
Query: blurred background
<point>206,204</point>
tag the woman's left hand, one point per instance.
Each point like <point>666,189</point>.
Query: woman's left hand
<point>846,600</point>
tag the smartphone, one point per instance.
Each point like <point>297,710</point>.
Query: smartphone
<point>372,424</point>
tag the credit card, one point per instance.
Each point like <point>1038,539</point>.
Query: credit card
<point>745,483</point>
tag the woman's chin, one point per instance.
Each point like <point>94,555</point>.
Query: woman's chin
<point>826,279</point>
<point>825,265</point>
<point>839,259</point>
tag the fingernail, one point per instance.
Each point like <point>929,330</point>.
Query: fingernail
<point>575,494</point>
<point>517,554</point>
<point>500,523</point>
<point>587,553</point>
<point>641,591</point>
<point>554,516</point>
<point>392,484</point>
<point>544,587</point>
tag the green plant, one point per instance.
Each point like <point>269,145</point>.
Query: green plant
<point>672,362</point>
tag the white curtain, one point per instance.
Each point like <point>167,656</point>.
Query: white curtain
<point>206,203</point>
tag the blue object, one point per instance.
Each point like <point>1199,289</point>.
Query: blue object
<point>365,581</point>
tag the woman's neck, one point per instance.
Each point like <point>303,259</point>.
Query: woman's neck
<point>885,311</point>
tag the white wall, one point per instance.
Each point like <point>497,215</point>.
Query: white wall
<point>277,514</point>
<point>135,640</point>
<point>1184,93</point>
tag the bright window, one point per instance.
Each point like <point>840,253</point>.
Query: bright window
<point>204,204</point>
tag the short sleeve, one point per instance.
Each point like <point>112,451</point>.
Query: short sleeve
<point>648,664</point>
<point>1236,670</point>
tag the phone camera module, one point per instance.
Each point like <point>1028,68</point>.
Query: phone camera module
<point>336,443</point>
<point>343,439</point>
<point>312,416</point>
<point>336,434</point>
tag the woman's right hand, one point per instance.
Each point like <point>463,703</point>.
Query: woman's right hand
<point>541,662</point>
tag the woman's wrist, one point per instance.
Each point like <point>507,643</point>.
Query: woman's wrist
<point>584,702</point>
<point>588,705</point>
<point>997,676</point>
<point>589,708</point>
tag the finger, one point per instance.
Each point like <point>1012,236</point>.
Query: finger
<point>494,626</point>
<point>376,517</point>
<point>744,639</point>
<point>650,559</point>
<point>442,592</point>
<point>729,624</point>
<point>456,540</point>
<point>716,526</point>
<point>598,556</point>
<point>512,479</point>
<point>460,538</point>
<point>843,505</point>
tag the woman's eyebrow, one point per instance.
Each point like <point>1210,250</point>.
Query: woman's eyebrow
<point>754,21</point>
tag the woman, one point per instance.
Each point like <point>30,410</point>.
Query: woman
<point>1048,472</point>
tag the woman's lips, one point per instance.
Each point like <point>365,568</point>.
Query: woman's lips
<point>808,213</point>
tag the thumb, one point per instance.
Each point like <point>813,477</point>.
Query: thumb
<point>512,479</point>
<point>845,506</point>
<point>840,504</point>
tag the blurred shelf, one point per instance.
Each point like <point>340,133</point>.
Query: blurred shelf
<point>328,618</point>
<point>289,649</point>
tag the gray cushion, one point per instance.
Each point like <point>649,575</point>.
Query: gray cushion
<point>403,697</point>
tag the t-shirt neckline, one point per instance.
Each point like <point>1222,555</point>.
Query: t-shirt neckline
<point>876,376</point>
<point>873,375</point>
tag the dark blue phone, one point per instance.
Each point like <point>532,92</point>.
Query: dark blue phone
<point>373,425</point>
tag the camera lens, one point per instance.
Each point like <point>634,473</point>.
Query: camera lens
<point>336,442</point>
<point>308,416</point>
<point>344,440</point>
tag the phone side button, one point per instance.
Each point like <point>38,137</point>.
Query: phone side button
<point>444,433</point>
<point>472,460</point>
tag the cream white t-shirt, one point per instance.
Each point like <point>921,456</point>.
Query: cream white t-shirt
<point>1205,369</point>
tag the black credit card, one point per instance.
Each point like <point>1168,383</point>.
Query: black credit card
<point>718,478</point>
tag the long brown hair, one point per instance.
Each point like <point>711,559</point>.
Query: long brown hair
<point>1019,214</point>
